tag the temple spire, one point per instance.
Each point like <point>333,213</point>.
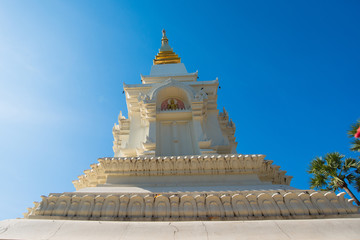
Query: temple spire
<point>164,40</point>
<point>166,54</point>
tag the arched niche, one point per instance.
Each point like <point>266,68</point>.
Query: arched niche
<point>172,95</point>
<point>175,133</point>
<point>172,87</point>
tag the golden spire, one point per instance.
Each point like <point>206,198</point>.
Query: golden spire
<point>166,54</point>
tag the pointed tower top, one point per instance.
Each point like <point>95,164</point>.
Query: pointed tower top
<point>164,35</point>
<point>166,54</point>
<point>165,42</point>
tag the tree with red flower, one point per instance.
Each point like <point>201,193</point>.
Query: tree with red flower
<point>354,132</point>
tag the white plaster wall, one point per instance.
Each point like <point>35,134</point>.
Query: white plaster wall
<point>137,132</point>
<point>213,131</point>
<point>168,69</point>
<point>164,139</point>
<point>172,92</point>
<point>186,180</point>
<point>175,138</point>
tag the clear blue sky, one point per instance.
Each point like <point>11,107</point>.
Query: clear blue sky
<point>289,74</point>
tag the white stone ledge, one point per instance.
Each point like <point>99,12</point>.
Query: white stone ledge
<point>211,230</point>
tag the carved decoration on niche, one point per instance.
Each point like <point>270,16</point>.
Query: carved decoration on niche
<point>171,104</point>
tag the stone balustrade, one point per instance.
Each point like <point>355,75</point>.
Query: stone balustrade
<point>194,206</point>
<point>182,165</point>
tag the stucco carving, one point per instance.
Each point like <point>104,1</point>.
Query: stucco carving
<point>193,206</point>
<point>110,207</point>
<point>295,204</point>
<point>182,165</point>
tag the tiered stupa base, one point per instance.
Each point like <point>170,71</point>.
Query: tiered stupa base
<point>194,206</point>
<point>189,188</point>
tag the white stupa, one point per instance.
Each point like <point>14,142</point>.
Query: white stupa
<point>175,170</point>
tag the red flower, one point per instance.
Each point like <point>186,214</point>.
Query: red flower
<point>357,134</point>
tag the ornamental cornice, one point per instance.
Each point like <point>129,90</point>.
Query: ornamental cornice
<point>194,206</point>
<point>182,165</point>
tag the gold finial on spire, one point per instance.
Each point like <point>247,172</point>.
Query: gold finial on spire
<point>165,42</point>
<point>166,54</point>
<point>164,34</point>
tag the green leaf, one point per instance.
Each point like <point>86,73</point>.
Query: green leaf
<point>357,184</point>
<point>317,165</point>
<point>318,181</point>
<point>353,128</point>
<point>355,145</point>
<point>349,164</point>
<point>334,160</point>
<point>351,178</point>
